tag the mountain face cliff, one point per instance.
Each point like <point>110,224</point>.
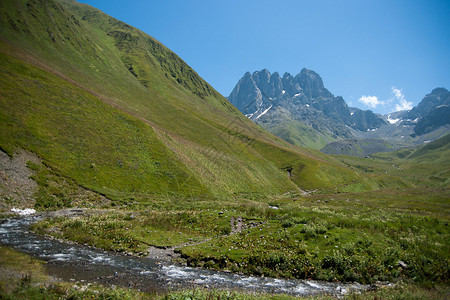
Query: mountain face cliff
<point>300,110</point>
<point>278,103</point>
<point>432,112</point>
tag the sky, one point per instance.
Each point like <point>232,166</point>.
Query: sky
<point>383,55</point>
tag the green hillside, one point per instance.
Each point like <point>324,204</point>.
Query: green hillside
<point>299,134</point>
<point>434,152</point>
<point>361,147</point>
<point>111,108</point>
<point>423,166</point>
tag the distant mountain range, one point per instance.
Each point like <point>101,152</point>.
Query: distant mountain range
<point>300,110</point>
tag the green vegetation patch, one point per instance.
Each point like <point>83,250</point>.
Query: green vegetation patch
<point>16,268</point>
<point>340,237</point>
<point>136,231</point>
<point>365,237</point>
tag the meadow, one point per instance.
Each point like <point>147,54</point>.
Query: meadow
<point>339,237</point>
<point>396,235</point>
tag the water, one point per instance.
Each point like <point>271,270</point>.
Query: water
<point>73,262</point>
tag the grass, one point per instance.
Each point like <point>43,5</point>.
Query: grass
<point>334,245</point>
<point>365,237</point>
<point>426,166</point>
<point>17,267</point>
<point>399,291</point>
<point>136,231</point>
<point>361,148</point>
<point>99,147</point>
<point>298,133</point>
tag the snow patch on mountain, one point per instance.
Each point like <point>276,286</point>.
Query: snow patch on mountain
<point>263,113</point>
<point>392,121</point>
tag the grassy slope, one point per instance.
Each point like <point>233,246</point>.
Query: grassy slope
<point>295,132</point>
<point>66,64</point>
<point>359,147</point>
<point>427,165</point>
<point>299,134</point>
<point>74,131</point>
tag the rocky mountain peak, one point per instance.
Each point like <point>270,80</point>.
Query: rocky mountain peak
<point>283,104</point>
<point>246,95</point>
<point>437,97</point>
<point>312,84</point>
<point>261,76</point>
<point>287,75</point>
<point>266,97</point>
<point>439,91</point>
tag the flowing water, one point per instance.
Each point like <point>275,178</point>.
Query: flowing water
<point>73,262</point>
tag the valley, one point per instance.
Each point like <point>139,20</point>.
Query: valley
<point>127,154</point>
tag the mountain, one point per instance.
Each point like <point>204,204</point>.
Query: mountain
<point>302,111</point>
<point>430,151</point>
<point>432,112</point>
<point>426,122</point>
<point>110,109</point>
<point>437,98</point>
<point>289,104</point>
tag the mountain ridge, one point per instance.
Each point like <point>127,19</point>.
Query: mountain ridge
<point>302,111</point>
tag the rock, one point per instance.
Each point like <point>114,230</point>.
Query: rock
<point>402,264</point>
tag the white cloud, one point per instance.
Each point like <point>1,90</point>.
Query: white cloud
<point>371,101</point>
<point>397,93</point>
<point>403,105</point>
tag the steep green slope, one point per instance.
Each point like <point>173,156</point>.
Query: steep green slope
<point>110,107</point>
<point>77,133</point>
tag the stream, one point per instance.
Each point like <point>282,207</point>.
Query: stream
<point>78,263</point>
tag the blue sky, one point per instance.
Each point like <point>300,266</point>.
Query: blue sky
<point>381,55</point>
